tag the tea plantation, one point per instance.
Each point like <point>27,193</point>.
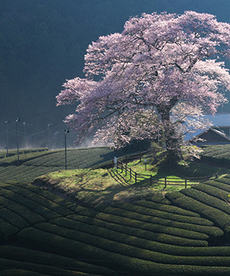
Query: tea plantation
<point>34,163</point>
<point>184,233</point>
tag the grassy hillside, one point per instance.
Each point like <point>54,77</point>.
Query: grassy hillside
<point>183,233</point>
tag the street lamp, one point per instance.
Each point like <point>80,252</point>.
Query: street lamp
<point>16,122</point>
<point>66,131</point>
<point>7,139</point>
<point>55,137</point>
<point>49,126</point>
<point>24,123</point>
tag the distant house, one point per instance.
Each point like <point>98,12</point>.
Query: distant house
<point>219,133</point>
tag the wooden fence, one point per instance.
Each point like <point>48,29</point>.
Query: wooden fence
<point>166,181</point>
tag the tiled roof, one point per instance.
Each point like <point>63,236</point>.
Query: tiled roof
<point>218,120</point>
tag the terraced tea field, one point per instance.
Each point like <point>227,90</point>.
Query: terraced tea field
<point>184,233</point>
<point>170,236</point>
<point>38,162</point>
<point>217,155</point>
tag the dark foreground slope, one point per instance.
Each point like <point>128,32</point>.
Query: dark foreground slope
<point>184,234</point>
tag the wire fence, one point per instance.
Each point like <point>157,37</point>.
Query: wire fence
<point>166,181</point>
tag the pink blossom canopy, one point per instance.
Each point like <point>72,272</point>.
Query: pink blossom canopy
<point>158,61</point>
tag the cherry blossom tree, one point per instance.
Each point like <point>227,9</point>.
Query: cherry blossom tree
<point>151,76</point>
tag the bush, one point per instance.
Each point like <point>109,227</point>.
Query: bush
<point>217,216</point>
<point>129,257</point>
<point>144,234</point>
<point>18,254</point>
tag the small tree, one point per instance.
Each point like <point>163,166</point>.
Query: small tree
<point>136,81</point>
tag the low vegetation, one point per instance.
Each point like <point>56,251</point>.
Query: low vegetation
<point>184,232</point>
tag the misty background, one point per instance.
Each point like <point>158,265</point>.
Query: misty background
<point>43,42</point>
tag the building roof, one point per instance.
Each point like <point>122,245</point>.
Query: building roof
<point>218,120</point>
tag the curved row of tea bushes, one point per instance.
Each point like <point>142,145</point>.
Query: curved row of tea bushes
<point>37,268</point>
<point>22,206</point>
<point>216,154</point>
<point>112,234</point>
<point>165,236</point>
<point>139,222</point>
<point>212,190</point>
<point>134,240</point>
<point>20,272</point>
<point>43,262</point>
<point>170,212</point>
<point>220,218</point>
<point>166,207</point>
<point>35,164</point>
<point>122,255</point>
<point>207,199</point>
<point>137,232</point>
<point>38,197</point>
<point>215,150</point>
<point>31,205</point>
<point>162,218</point>
<point>224,180</point>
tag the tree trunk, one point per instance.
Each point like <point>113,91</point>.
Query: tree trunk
<point>172,138</point>
<point>172,142</point>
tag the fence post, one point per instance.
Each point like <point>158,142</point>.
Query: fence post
<point>130,172</point>
<point>125,169</point>
<point>165,182</point>
<point>135,177</point>
<point>185,182</point>
<point>140,157</point>
<point>115,162</point>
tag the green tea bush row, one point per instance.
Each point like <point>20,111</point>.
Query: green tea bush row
<point>20,272</point>
<point>109,244</point>
<point>119,236</point>
<point>225,180</point>
<point>121,261</point>
<point>7,229</point>
<point>33,165</point>
<point>23,173</point>
<point>143,234</point>
<point>77,158</point>
<point>140,223</point>
<point>42,258</point>
<point>217,216</point>
<point>165,207</point>
<point>30,216</point>
<point>156,218</point>
<point>12,218</point>
<point>149,208</point>
<point>67,207</point>
<point>213,191</point>
<point>36,268</point>
<point>205,198</point>
<point>29,204</point>
<point>212,150</point>
<point>219,184</point>
<point>32,195</point>
<point>218,154</point>
<point>124,255</point>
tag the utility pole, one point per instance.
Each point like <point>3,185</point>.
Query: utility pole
<point>66,131</point>
<point>7,139</point>
<point>16,122</point>
<point>24,123</point>
<point>49,126</point>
